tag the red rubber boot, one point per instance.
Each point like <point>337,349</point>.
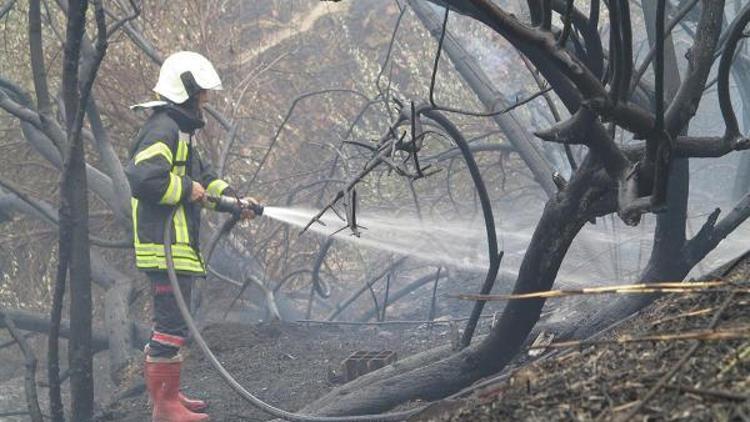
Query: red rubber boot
<point>163,382</point>
<point>193,405</point>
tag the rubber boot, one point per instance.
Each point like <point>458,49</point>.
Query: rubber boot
<point>193,405</point>
<point>163,383</point>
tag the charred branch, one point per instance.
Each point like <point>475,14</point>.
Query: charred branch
<point>40,323</point>
<point>468,67</point>
<point>30,362</point>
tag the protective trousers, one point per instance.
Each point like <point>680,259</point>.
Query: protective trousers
<point>170,330</point>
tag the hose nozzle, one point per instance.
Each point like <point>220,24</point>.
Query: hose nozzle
<point>256,208</point>
<point>234,206</point>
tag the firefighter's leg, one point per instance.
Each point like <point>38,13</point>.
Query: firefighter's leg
<point>163,359</point>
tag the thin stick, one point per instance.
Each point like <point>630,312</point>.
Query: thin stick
<point>684,315</point>
<point>703,335</point>
<point>385,299</point>
<point>698,287</point>
<point>728,395</point>
<point>434,295</point>
<point>394,322</point>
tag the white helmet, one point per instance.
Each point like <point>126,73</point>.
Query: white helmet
<point>183,73</point>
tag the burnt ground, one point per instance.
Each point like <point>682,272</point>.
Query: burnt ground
<point>289,365</point>
<point>606,381</point>
<point>285,364</point>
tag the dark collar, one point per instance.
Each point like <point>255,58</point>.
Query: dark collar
<point>187,120</point>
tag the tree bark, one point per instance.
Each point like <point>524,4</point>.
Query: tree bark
<point>74,215</point>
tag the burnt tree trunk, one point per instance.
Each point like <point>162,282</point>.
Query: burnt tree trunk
<point>591,192</point>
<point>667,261</point>
<point>74,217</point>
<point>563,217</point>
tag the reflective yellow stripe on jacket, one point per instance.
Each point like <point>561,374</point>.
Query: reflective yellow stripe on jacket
<point>181,159</point>
<point>158,148</point>
<point>215,188</point>
<point>174,190</point>
<point>151,255</point>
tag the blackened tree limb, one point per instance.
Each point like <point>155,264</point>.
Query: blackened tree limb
<point>536,11</point>
<point>16,102</point>
<point>113,165</point>
<point>585,128</point>
<point>394,297</point>
<point>289,113</point>
<point>709,147</point>
<point>38,67</point>
<point>546,14</point>
<point>135,12</point>
<point>74,203</point>
<point>659,67</point>
<point>712,233</point>
<point>626,32</point>
<point>472,73</point>
<point>685,103</point>
<point>30,362</point>
<point>53,344</point>
<point>40,323</point>
<point>594,57</point>
<point>678,17</point>
<point>7,7</point>
<point>29,116</point>
<point>474,147</point>
<point>553,109</point>
<point>320,286</point>
<point>567,23</point>
<point>340,307</point>
<point>736,32</point>
<point>620,49</point>
<point>49,215</point>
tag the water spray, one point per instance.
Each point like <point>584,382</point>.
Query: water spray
<point>236,206</point>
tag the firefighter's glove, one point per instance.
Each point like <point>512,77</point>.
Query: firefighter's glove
<point>197,193</point>
<point>247,211</point>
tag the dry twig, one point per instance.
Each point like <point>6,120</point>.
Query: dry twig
<point>694,287</point>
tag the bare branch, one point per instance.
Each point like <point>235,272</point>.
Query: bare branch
<point>30,361</point>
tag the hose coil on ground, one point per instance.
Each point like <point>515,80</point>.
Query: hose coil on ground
<point>236,386</point>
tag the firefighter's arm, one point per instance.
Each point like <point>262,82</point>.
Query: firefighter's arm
<point>213,185</point>
<point>218,187</point>
<point>149,171</point>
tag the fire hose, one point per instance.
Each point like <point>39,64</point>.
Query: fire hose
<point>235,207</point>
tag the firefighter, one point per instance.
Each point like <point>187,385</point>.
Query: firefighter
<point>166,171</point>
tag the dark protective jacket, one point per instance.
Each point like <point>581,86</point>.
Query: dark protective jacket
<point>163,165</point>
